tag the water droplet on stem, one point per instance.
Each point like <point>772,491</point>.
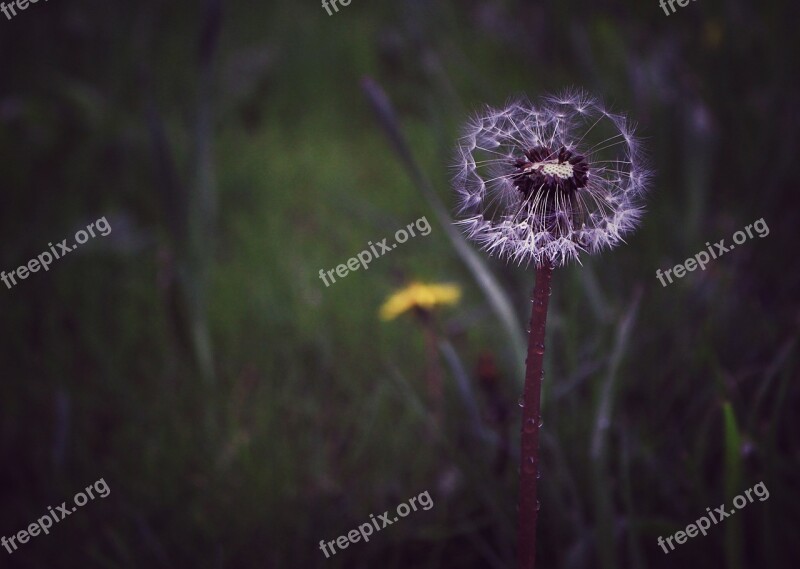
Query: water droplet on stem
<point>529,466</point>
<point>529,426</point>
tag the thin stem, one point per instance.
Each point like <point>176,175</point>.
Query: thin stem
<point>531,418</point>
<point>433,371</point>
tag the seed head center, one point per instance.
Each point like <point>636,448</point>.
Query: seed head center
<point>554,168</point>
<point>550,172</point>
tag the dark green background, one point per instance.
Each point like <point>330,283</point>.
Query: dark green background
<point>241,412</point>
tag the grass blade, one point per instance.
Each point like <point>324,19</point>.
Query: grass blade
<point>498,299</point>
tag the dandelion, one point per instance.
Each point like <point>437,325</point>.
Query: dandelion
<point>543,184</point>
<point>419,297</point>
<point>421,300</point>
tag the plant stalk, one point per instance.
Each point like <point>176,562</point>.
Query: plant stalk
<point>433,370</point>
<point>531,419</point>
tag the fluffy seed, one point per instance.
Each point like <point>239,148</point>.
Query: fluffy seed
<point>543,183</point>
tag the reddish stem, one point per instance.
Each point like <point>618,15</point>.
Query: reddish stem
<point>531,417</point>
<point>433,372</point>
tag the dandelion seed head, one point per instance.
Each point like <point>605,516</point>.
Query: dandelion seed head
<point>547,182</point>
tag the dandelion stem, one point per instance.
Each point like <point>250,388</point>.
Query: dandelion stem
<point>531,418</point>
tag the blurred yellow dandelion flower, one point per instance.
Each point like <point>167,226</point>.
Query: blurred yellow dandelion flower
<point>419,295</point>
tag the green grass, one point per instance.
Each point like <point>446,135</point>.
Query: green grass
<point>659,402</point>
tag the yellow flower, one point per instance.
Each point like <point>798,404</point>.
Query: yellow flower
<point>418,295</point>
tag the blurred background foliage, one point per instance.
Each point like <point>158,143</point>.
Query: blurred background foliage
<point>240,411</point>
